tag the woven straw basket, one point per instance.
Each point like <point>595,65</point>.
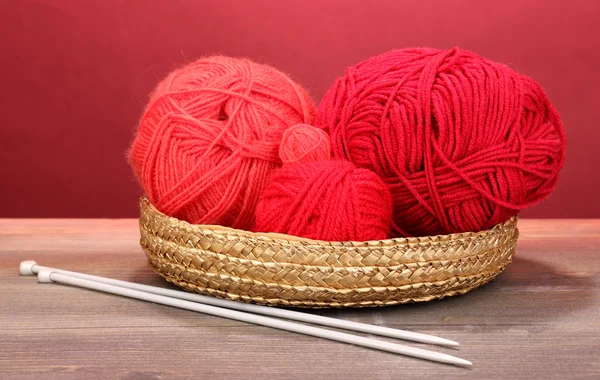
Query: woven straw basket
<point>284,270</point>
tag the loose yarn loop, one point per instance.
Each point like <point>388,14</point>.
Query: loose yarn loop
<point>304,143</point>
<point>208,140</point>
<point>325,200</point>
<point>463,143</point>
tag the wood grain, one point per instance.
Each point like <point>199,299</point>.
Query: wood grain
<point>539,319</point>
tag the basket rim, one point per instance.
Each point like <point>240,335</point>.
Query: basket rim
<point>286,239</point>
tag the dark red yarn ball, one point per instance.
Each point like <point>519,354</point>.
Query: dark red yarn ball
<point>463,143</point>
<point>325,200</point>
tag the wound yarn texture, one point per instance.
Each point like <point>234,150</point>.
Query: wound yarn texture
<point>304,143</point>
<point>325,200</point>
<point>463,143</point>
<point>208,140</point>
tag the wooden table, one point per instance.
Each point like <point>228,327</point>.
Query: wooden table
<point>539,319</point>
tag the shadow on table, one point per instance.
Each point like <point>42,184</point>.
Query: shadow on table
<point>527,292</point>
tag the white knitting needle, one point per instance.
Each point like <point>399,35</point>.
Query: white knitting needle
<point>46,276</point>
<point>31,267</point>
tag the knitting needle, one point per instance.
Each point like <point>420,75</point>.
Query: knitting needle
<point>31,267</point>
<point>47,276</point>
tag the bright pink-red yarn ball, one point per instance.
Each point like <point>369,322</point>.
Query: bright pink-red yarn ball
<point>462,143</point>
<point>209,138</point>
<point>325,200</point>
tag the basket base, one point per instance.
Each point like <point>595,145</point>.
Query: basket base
<point>366,297</point>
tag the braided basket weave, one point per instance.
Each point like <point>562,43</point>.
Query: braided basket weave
<point>284,270</point>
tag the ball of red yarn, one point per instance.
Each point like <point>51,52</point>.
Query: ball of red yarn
<point>463,143</point>
<point>304,143</point>
<point>208,140</point>
<point>325,200</point>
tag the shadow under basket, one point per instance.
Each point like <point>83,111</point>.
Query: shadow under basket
<point>283,270</point>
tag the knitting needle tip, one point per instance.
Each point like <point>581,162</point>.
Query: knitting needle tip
<point>448,342</point>
<point>461,362</point>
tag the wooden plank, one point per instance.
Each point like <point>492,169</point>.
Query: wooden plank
<point>539,319</point>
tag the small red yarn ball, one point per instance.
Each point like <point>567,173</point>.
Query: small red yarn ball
<point>329,200</point>
<point>209,138</point>
<point>304,143</point>
<point>463,143</point>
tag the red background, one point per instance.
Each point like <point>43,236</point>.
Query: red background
<point>75,76</point>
